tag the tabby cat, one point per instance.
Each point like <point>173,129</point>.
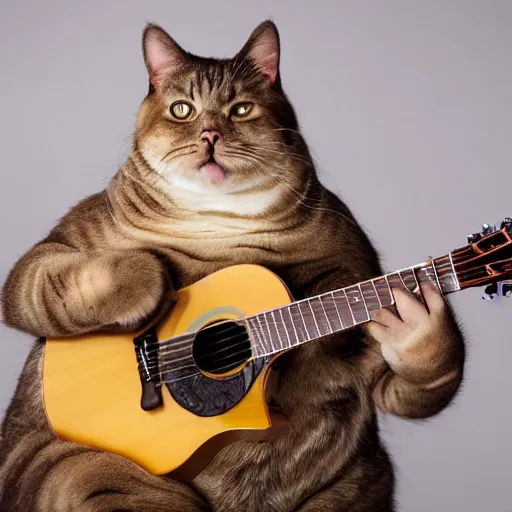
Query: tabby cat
<point>218,175</point>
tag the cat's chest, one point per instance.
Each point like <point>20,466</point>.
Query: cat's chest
<point>193,257</point>
<point>202,242</point>
<point>218,246</point>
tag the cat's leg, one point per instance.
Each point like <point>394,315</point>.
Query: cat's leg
<point>39,473</point>
<point>55,290</point>
<point>331,418</point>
<point>57,476</point>
<point>372,493</point>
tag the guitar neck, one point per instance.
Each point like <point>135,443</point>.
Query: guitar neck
<point>280,329</point>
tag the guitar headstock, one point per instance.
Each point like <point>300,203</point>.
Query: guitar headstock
<point>488,229</point>
<point>487,260</point>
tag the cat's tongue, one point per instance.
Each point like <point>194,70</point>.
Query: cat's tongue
<point>213,172</point>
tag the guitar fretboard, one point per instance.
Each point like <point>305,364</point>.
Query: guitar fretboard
<point>309,319</point>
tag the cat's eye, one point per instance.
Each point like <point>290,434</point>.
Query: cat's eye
<point>242,109</point>
<point>181,110</point>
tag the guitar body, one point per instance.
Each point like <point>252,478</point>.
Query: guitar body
<point>169,397</point>
<point>92,386</point>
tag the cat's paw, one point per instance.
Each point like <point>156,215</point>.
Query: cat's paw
<point>124,289</point>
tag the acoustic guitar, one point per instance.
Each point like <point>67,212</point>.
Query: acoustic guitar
<point>169,397</point>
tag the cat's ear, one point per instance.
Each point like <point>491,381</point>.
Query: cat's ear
<point>263,49</point>
<point>162,54</point>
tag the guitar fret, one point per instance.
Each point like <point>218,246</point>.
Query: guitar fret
<point>313,316</point>
<point>259,347</point>
<point>276,326</point>
<point>275,337</point>
<point>402,280</point>
<point>320,316</point>
<point>302,328</point>
<point>370,296</point>
<point>376,293</point>
<point>410,280</point>
<point>346,305</point>
<point>364,300</point>
<point>417,284</point>
<point>433,265</point>
<point>307,318</point>
<point>299,334</point>
<point>397,281</point>
<point>454,273</point>
<point>285,329</point>
<point>391,296</point>
<point>271,337</point>
<point>320,299</point>
<point>338,316</point>
<point>329,312</point>
<point>357,304</point>
<point>384,291</point>
<point>266,341</point>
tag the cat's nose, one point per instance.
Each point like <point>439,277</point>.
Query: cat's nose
<point>211,136</point>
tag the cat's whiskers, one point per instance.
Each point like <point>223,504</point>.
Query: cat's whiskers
<point>291,154</point>
<point>247,157</point>
<point>175,157</point>
<point>301,199</point>
<point>284,129</point>
<point>313,161</point>
<point>299,195</point>
<point>175,150</point>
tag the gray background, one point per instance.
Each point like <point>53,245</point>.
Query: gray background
<point>407,108</point>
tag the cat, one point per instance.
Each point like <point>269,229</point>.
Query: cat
<point>219,174</point>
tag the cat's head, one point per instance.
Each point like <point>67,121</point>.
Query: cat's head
<point>210,124</point>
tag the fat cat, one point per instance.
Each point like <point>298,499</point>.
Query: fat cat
<point>219,174</point>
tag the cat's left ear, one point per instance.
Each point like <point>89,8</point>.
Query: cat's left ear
<point>263,49</point>
<point>162,54</point>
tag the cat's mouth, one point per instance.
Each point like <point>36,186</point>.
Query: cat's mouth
<point>212,172</point>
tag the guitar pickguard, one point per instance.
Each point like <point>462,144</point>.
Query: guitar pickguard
<point>205,396</point>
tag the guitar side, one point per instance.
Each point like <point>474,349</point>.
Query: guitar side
<point>92,387</point>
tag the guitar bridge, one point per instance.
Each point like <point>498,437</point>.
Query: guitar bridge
<point>146,351</point>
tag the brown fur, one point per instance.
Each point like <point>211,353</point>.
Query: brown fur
<point>118,256</point>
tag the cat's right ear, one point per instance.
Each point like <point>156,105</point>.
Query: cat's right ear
<point>162,55</point>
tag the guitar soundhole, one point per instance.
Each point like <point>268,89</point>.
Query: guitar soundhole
<point>221,347</point>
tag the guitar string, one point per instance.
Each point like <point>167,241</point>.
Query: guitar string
<point>270,322</point>
<point>190,337</point>
<point>329,309</point>
<point>216,369</point>
<point>191,375</point>
<point>168,365</point>
<point>232,365</point>
<point>173,342</point>
<point>163,353</point>
<point>201,373</point>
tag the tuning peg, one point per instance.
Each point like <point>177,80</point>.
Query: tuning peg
<point>474,238</point>
<point>507,223</point>
<point>501,289</point>
<point>490,292</point>
<point>506,290</point>
<point>487,229</point>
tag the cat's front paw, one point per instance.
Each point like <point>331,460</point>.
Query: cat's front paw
<point>125,288</point>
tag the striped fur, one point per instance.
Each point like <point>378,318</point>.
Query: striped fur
<point>118,256</point>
